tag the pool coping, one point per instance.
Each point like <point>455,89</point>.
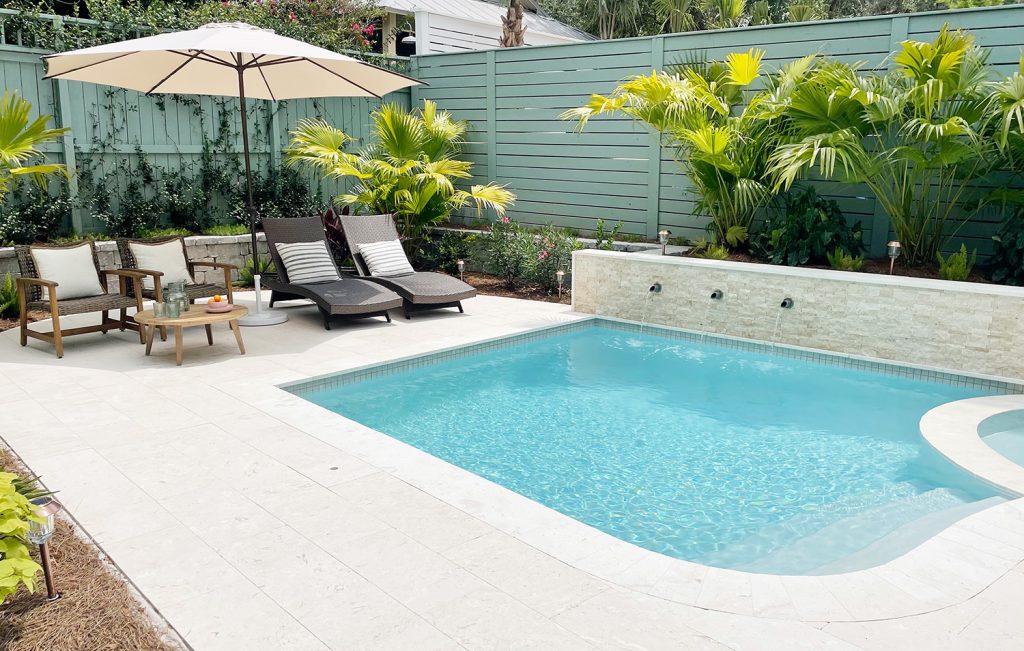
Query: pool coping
<point>951,567</point>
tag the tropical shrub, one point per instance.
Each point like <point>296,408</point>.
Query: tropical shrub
<point>957,266</point>
<point>806,230</point>
<point>552,252</point>
<point>227,229</point>
<point>9,306</point>
<point>843,261</point>
<point>409,171</point>
<point>20,138</point>
<point>710,250</point>
<point>722,138</point>
<point>30,214</point>
<point>511,251</point>
<point>442,251</point>
<point>914,136</point>
<point>1007,262</point>
<point>605,240</point>
<point>16,513</point>
<point>247,272</point>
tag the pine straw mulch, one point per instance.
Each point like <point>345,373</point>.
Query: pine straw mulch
<point>97,611</point>
<point>8,324</point>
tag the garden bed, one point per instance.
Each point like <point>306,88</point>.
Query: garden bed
<point>97,609</point>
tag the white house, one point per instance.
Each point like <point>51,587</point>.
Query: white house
<point>430,26</point>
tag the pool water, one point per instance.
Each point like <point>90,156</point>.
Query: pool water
<point>715,455</point>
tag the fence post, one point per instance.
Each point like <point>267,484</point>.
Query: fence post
<point>898,28</point>
<point>654,154</point>
<point>492,113</point>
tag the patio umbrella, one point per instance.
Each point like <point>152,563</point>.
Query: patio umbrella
<point>232,59</point>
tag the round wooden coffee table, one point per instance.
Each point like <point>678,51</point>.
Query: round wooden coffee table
<point>197,316</point>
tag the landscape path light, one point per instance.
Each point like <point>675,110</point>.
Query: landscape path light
<point>39,533</point>
<point>893,249</point>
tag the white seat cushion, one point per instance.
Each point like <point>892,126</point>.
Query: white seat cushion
<point>166,257</point>
<point>72,269</point>
<point>386,259</point>
<point>307,262</point>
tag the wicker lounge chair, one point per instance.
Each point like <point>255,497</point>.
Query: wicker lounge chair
<point>421,290</point>
<point>347,297</point>
<point>30,297</point>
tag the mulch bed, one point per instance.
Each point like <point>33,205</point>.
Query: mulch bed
<point>97,610</point>
<point>495,286</point>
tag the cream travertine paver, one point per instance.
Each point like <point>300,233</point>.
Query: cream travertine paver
<point>306,530</point>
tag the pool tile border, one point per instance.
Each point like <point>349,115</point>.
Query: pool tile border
<point>826,358</point>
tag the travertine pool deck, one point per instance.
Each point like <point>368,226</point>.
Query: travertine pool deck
<point>252,519</point>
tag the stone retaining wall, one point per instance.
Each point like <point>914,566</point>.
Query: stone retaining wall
<point>968,327</point>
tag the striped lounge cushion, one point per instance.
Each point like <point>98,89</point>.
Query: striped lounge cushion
<point>307,262</point>
<point>386,259</point>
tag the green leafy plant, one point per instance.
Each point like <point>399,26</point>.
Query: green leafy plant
<point>20,139</point>
<point>511,251</point>
<point>721,136</point>
<point>552,252</point>
<point>16,513</point>
<point>226,229</point>
<point>709,250</point>
<point>442,251</point>
<point>164,232</point>
<point>410,171</point>
<point>9,306</point>
<point>604,239</point>
<point>247,271</point>
<point>957,266</point>
<point>806,230</point>
<point>30,214</point>
<point>843,261</point>
<point>1007,262</point>
<point>913,136</point>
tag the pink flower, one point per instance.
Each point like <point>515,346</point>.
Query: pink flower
<point>224,3</point>
<point>543,254</point>
<point>291,16</point>
<point>504,220</point>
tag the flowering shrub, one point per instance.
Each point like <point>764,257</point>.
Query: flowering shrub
<point>520,255</point>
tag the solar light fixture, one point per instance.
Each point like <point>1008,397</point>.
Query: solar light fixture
<point>663,238</point>
<point>893,249</point>
<point>39,533</point>
<point>560,275</point>
<point>462,268</point>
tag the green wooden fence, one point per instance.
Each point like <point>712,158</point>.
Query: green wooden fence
<point>616,170</point>
<point>109,126</point>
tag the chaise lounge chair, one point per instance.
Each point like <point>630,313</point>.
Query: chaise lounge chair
<point>420,290</point>
<point>345,297</point>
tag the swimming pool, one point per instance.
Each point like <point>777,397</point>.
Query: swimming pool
<point>702,451</point>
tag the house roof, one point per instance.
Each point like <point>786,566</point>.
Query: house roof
<point>485,12</point>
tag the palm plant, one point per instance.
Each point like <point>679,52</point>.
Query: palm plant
<point>612,15</point>
<point>723,13</point>
<point>410,171</point>
<point>721,139</point>
<point>913,136</point>
<point>760,13</point>
<point>20,138</point>
<point>512,27</point>
<point>677,14</point>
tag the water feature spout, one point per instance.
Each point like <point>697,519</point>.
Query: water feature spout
<point>787,303</point>
<point>655,288</point>
<point>717,295</point>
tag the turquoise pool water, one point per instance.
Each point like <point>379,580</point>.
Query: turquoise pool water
<point>720,456</point>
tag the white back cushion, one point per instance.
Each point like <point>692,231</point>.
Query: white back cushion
<point>386,259</point>
<point>72,269</point>
<point>166,257</point>
<point>307,262</point>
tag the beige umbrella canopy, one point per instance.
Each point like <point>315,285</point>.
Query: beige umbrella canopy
<point>232,59</point>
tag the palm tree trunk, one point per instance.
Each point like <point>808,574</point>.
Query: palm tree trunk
<point>513,28</point>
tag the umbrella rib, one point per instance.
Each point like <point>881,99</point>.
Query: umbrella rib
<point>88,65</point>
<point>342,77</point>
<point>273,62</point>
<point>267,84</point>
<point>205,56</point>
<point>184,63</point>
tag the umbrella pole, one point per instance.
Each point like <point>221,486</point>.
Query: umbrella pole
<point>259,318</point>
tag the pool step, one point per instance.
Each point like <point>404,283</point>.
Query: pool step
<point>905,538</point>
<point>802,546</point>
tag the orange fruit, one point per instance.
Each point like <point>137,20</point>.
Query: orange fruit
<point>216,298</point>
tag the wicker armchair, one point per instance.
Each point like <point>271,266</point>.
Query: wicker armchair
<point>194,291</point>
<point>30,297</point>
